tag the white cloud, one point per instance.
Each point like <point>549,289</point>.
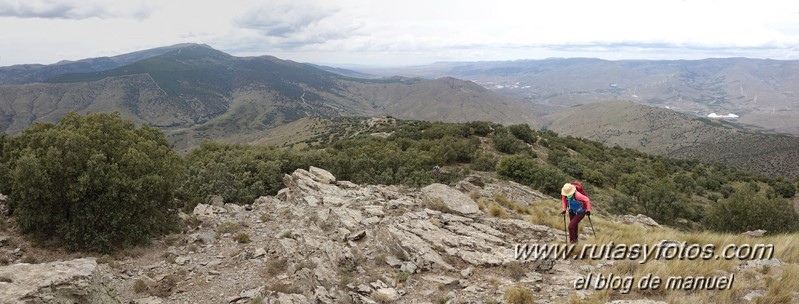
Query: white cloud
<point>51,9</point>
<point>403,32</point>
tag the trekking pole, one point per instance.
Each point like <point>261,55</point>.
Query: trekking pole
<point>592,225</point>
<point>565,229</point>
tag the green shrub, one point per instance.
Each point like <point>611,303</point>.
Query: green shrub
<point>239,173</point>
<point>484,162</point>
<point>93,182</point>
<point>523,133</point>
<point>402,276</point>
<point>5,163</point>
<point>783,188</point>
<point>508,144</point>
<point>745,210</point>
<point>481,128</point>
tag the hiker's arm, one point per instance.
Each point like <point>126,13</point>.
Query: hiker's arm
<point>585,199</point>
<point>563,200</point>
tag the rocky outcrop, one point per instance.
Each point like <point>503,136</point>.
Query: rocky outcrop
<point>640,219</point>
<point>321,240</point>
<point>755,233</point>
<point>76,281</point>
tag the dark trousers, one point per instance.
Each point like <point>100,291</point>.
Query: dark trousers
<point>574,221</point>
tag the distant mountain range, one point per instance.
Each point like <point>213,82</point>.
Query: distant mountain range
<point>764,93</point>
<point>195,93</point>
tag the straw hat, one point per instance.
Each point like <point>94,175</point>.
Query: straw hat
<point>568,189</point>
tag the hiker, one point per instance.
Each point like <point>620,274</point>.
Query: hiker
<point>578,206</point>
<point>436,170</point>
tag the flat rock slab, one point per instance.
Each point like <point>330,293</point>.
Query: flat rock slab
<point>74,281</point>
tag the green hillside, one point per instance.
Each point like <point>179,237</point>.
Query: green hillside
<point>390,151</point>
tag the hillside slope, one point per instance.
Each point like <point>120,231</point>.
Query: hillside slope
<point>666,132</point>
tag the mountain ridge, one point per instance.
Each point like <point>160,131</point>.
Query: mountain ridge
<point>208,94</point>
<point>31,73</point>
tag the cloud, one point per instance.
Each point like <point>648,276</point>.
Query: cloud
<point>73,10</point>
<point>284,19</point>
<point>295,24</point>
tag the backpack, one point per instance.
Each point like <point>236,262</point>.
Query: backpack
<point>575,205</point>
<point>579,188</point>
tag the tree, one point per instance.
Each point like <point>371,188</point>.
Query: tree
<point>746,210</point>
<point>94,182</point>
<point>660,200</point>
<point>526,170</point>
<point>523,132</point>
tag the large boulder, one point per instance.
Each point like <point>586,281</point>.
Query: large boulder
<point>454,200</point>
<point>75,281</point>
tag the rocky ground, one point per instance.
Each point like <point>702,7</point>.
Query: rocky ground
<point>319,240</point>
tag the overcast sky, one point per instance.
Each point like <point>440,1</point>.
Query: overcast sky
<point>408,32</point>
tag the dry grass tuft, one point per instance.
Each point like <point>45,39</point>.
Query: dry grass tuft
<point>519,294</point>
<point>437,204</point>
<point>497,211</point>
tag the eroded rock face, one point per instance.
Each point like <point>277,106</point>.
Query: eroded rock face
<point>454,200</point>
<point>75,281</point>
